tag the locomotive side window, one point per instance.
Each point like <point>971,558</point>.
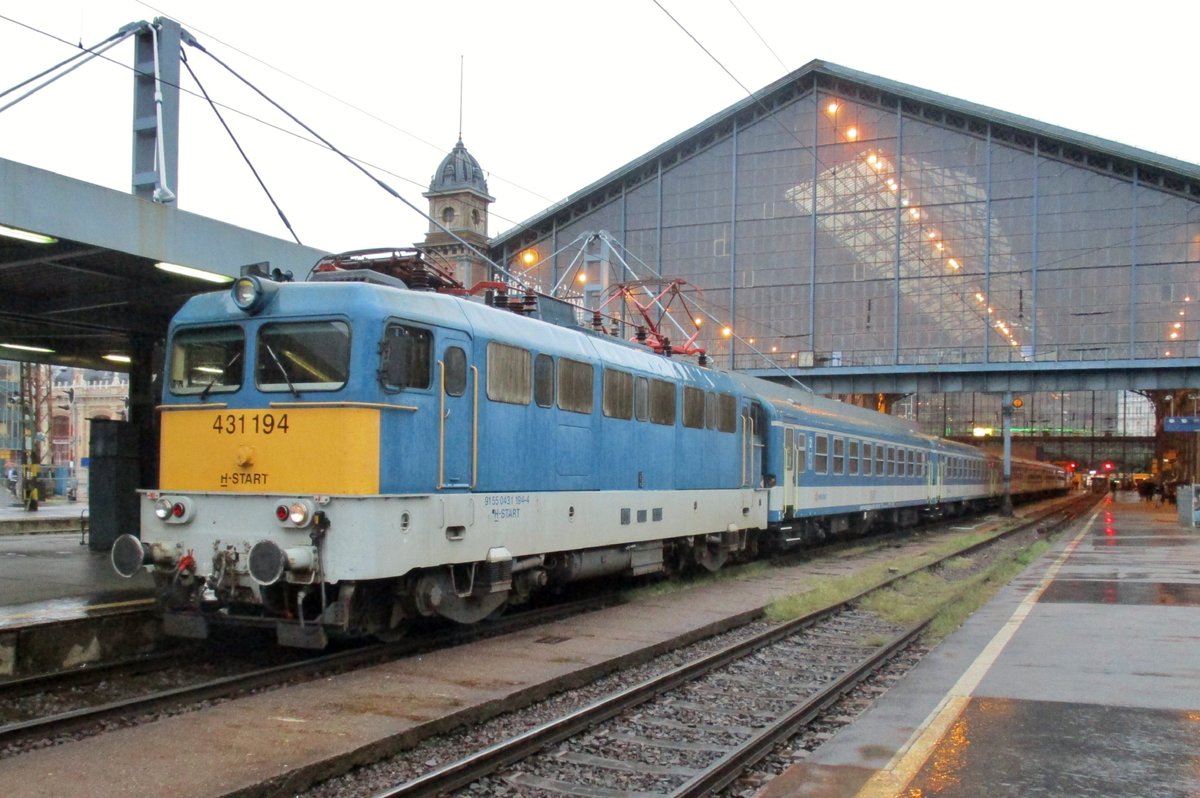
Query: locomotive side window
<point>710,410</point>
<point>575,381</point>
<point>821,454</point>
<point>641,398</point>
<point>693,407</point>
<point>405,357</point>
<point>617,399</point>
<point>509,373</point>
<point>302,356</point>
<point>662,402</point>
<point>726,412</point>
<point>543,380</point>
<point>456,371</point>
<point>207,361</point>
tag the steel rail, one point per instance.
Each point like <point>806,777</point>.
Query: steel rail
<point>73,720</point>
<point>507,752</point>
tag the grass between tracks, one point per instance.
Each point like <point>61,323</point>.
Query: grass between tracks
<point>949,595</point>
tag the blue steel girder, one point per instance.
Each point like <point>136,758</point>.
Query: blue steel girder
<point>1105,375</point>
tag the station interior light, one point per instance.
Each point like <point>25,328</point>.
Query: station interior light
<point>189,271</point>
<point>25,235</point>
<point>27,348</point>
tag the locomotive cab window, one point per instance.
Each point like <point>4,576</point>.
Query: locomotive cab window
<point>302,356</point>
<point>405,357</point>
<point>207,361</point>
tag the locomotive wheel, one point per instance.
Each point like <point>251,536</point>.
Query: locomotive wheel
<point>435,595</point>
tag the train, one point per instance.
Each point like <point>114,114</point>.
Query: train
<point>344,455</point>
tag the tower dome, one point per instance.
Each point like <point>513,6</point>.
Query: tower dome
<point>459,171</point>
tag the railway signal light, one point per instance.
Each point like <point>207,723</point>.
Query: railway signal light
<point>1108,465</point>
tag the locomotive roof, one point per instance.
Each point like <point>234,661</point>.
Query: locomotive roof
<point>489,323</point>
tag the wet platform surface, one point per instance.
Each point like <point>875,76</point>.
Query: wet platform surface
<point>56,576</point>
<point>1081,678</point>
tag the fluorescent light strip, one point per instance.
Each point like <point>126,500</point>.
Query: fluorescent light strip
<point>25,348</point>
<point>25,235</point>
<point>188,271</point>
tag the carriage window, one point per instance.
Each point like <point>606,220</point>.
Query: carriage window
<point>693,407</point>
<point>821,454</point>
<point>207,361</point>
<point>789,457</point>
<point>801,451</point>
<point>641,398</point>
<point>867,460</point>
<point>509,373</point>
<point>543,380</point>
<point>880,454</point>
<point>852,467</point>
<point>839,455</point>
<point>456,371</point>
<point>575,386</point>
<point>404,357</point>
<point>726,412</point>
<point>618,393</point>
<point>891,461</point>
<point>910,458</point>
<point>302,356</point>
<point>662,402</point>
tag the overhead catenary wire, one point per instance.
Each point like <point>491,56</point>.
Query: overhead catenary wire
<point>82,57</point>
<point>190,40</point>
<point>236,143</point>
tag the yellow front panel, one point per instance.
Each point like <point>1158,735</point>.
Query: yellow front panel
<point>276,450</point>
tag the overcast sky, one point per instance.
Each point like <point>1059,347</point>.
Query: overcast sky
<point>555,94</point>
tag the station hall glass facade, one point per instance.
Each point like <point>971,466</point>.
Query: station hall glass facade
<point>843,220</point>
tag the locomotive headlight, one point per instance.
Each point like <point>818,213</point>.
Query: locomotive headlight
<point>298,512</point>
<point>251,294</point>
<point>162,508</point>
<point>173,511</point>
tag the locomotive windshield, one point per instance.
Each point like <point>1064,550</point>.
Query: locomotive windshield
<point>207,361</point>
<point>302,356</point>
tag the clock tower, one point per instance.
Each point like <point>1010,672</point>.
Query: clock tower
<point>458,201</point>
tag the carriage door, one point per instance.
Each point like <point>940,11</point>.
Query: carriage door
<point>458,386</point>
<point>789,468</point>
<point>754,447</point>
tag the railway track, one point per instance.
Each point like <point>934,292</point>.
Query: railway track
<point>79,686</point>
<point>695,729</point>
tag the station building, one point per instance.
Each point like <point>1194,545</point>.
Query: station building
<point>836,220</point>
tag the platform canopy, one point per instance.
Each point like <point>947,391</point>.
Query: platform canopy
<point>85,289</point>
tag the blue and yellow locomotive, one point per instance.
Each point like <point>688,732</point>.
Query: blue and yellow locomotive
<point>343,455</point>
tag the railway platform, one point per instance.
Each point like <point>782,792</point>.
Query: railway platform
<point>1080,678</point>
<point>49,574</point>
